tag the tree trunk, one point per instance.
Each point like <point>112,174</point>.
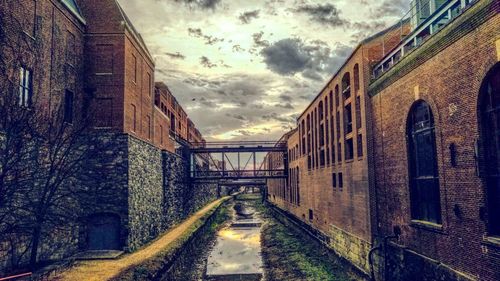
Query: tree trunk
<point>34,245</point>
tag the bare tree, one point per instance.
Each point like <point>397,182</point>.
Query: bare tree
<point>44,145</point>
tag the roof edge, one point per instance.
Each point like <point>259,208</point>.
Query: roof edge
<point>360,44</point>
<point>74,12</point>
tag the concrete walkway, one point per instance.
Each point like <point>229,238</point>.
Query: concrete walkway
<point>98,270</point>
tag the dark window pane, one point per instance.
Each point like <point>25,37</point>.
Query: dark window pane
<point>424,183</point>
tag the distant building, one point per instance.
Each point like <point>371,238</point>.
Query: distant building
<point>328,155</point>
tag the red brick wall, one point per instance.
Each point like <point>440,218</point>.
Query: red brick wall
<point>30,42</point>
<point>119,71</point>
<point>449,81</point>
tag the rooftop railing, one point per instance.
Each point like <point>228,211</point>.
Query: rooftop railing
<point>427,18</point>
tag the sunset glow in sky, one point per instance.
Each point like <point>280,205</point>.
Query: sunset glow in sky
<point>253,66</point>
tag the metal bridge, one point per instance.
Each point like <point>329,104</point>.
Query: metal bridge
<point>236,160</point>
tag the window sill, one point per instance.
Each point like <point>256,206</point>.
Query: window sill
<point>492,241</point>
<point>349,161</point>
<point>104,74</point>
<point>427,225</point>
<point>29,35</point>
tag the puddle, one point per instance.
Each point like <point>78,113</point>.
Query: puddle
<point>237,251</point>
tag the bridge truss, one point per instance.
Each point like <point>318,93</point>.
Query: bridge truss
<point>237,160</point>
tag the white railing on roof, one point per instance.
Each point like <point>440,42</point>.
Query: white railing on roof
<point>426,19</point>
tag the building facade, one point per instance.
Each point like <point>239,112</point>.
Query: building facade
<point>328,155</point>
<point>435,146</point>
<point>83,63</point>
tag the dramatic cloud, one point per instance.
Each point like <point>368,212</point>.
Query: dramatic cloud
<point>292,55</point>
<point>391,8</point>
<point>247,69</point>
<point>258,41</point>
<point>286,57</point>
<point>209,40</point>
<point>324,14</point>
<point>238,48</point>
<point>247,17</point>
<point>206,62</point>
<point>176,55</point>
<point>204,4</point>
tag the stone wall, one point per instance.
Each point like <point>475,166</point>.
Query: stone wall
<point>145,189</point>
<point>181,197</point>
<point>148,189</point>
<point>406,265</point>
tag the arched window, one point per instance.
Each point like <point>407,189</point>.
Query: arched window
<point>489,113</point>
<point>337,102</point>
<point>423,170</point>
<point>356,77</point>
<point>298,185</point>
<point>321,111</point>
<point>346,86</point>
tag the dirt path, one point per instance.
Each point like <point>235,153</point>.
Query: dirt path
<point>107,269</point>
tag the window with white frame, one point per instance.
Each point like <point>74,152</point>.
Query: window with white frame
<point>25,87</point>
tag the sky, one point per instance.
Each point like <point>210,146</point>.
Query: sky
<point>246,69</point>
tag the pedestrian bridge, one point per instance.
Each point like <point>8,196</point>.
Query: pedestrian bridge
<point>236,160</point>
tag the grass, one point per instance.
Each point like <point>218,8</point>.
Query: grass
<point>137,265</point>
<point>290,254</point>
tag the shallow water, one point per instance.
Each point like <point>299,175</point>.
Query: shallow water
<point>237,251</point>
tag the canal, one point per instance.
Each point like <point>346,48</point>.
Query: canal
<point>248,241</point>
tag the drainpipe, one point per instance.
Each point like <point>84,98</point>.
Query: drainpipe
<point>397,233</point>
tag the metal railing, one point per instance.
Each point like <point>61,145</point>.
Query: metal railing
<point>426,20</point>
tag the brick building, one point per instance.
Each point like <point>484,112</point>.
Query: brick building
<point>119,71</point>
<point>74,61</point>
<point>172,108</point>
<point>42,48</point>
<point>435,145</point>
<point>328,185</point>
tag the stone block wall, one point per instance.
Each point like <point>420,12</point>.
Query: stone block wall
<point>181,197</point>
<point>350,247</point>
<point>145,172</point>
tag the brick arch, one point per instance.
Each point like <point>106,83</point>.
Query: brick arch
<point>487,171</point>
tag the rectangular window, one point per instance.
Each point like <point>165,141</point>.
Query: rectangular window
<point>358,112</point>
<point>148,119</point>
<point>134,62</point>
<point>321,135</point>
<point>103,112</point>
<point>322,158</point>
<point>347,119</point>
<point>311,215</point>
<point>134,118</point>
<point>341,181</point>
<point>339,152</point>
<point>337,121</point>
<point>68,107</point>
<point>70,48</point>
<point>360,145</point>
<point>25,87</point>
<point>150,91</point>
<point>334,180</point>
<point>29,20</point>
<point>161,134</point>
<point>104,59</point>
<point>349,149</point>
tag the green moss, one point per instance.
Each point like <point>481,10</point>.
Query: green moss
<point>290,254</point>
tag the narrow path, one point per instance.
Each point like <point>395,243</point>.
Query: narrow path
<point>107,269</point>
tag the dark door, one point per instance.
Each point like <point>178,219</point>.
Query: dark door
<point>104,232</point>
